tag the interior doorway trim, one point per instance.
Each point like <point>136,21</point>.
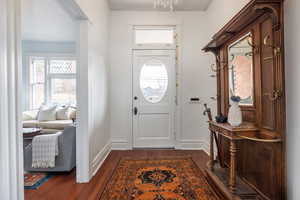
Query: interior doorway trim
<point>11,139</point>
<point>82,136</point>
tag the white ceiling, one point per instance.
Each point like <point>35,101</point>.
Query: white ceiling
<point>147,5</point>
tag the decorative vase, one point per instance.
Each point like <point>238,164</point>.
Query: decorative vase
<point>235,114</point>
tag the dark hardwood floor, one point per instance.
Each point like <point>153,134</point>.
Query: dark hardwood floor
<point>64,187</point>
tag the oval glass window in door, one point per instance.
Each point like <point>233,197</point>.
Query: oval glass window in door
<point>154,81</point>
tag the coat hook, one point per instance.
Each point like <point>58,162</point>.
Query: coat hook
<point>219,61</point>
<point>255,48</point>
<point>276,50</point>
<point>213,98</point>
<point>214,68</point>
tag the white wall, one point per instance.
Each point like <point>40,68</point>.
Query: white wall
<point>292,52</point>
<point>46,20</point>
<point>97,76</point>
<point>194,74</point>
<point>44,47</point>
<point>220,12</point>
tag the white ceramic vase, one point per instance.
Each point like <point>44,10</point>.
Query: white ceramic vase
<point>235,114</point>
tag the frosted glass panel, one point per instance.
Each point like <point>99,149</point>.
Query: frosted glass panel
<point>154,81</point>
<point>154,36</point>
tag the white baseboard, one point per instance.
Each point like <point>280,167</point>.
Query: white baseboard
<point>193,145</point>
<point>121,145</point>
<point>99,159</point>
<point>183,144</point>
<point>206,147</point>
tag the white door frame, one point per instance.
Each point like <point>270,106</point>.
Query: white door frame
<point>178,110</point>
<point>82,136</point>
<point>11,138</point>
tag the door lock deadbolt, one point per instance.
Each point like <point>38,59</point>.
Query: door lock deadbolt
<point>135,111</point>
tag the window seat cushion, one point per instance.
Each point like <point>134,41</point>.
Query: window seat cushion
<point>57,124</point>
<point>31,124</point>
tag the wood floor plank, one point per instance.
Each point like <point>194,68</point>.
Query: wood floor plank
<point>64,186</point>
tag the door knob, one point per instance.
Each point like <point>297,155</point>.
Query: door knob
<point>135,110</point>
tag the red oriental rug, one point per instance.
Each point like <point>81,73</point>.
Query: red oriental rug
<point>35,180</point>
<point>158,179</point>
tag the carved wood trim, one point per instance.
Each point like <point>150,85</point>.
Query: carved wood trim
<point>274,12</point>
<point>252,11</point>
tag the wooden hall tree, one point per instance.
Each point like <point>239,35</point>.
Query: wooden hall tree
<point>252,155</point>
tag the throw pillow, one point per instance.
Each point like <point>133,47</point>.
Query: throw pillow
<point>63,113</point>
<point>47,114</point>
<point>30,115</point>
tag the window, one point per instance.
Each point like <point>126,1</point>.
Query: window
<point>62,81</point>
<point>154,81</point>
<point>52,80</point>
<point>37,82</point>
<point>154,36</point>
<point>63,91</point>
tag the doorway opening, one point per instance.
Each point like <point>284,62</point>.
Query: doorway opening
<point>49,100</point>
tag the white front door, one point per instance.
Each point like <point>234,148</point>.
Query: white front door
<point>153,98</point>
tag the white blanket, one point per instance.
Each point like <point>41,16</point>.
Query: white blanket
<point>44,150</point>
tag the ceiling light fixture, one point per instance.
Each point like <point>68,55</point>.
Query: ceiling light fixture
<point>165,4</point>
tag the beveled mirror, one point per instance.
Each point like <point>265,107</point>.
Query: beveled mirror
<point>240,69</point>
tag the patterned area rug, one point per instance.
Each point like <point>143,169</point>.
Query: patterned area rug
<point>158,179</point>
<point>33,181</point>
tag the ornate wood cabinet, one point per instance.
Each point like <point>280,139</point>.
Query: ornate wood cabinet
<point>249,54</point>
